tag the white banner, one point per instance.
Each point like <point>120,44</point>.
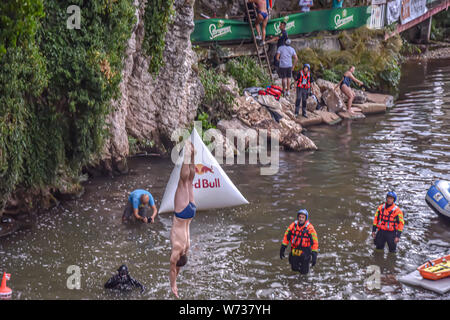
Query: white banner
<point>393,11</point>
<point>412,9</point>
<point>378,2</point>
<point>377,16</point>
<point>212,187</point>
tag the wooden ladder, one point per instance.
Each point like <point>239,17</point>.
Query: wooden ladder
<point>262,54</point>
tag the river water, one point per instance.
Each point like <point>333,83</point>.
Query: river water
<point>235,252</point>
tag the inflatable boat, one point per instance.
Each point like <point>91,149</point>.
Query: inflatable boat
<point>436,269</point>
<point>438,197</point>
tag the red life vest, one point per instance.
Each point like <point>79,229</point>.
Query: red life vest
<point>304,81</point>
<point>274,91</point>
<point>387,220</point>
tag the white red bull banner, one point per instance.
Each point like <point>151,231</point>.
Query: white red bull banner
<point>212,187</point>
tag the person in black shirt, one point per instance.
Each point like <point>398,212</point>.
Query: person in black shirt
<point>281,39</point>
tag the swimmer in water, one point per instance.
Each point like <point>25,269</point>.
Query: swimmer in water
<point>122,281</point>
<point>184,206</point>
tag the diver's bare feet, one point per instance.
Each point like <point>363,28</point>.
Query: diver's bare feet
<point>175,291</point>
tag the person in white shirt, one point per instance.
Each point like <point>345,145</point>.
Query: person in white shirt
<point>284,55</point>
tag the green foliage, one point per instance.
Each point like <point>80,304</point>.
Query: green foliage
<point>156,20</point>
<point>203,117</point>
<point>211,81</point>
<point>247,72</point>
<point>18,22</point>
<point>377,62</point>
<point>440,26</point>
<point>56,86</point>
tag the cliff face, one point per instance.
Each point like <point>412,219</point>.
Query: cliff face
<point>150,109</point>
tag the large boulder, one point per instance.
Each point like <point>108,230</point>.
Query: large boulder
<point>329,118</point>
<point>385,99</point>
<point>295,141</point>
<point>332,100</point>
<point>325,85</point>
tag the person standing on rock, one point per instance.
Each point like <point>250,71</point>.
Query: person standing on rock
<point>389,221</point>
<point>137,206</point>
<point>261,18</point>
<point>344,85</point>
<point>280,38</point>
<point>185,208</point>
<point>304,243</point>
<point>284,56</point>
<point>304,80</point>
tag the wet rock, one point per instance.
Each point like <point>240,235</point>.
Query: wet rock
<point>293,141</point>
<point>351,116</point>
<point>333,101</point>
<point>313,119</point>
<point>385,99</point>
<point>329,118</point>
<point>371,108</point>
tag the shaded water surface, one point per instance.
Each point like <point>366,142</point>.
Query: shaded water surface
<point>235,252</point>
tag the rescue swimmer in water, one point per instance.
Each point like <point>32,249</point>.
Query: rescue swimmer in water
<point>122,281</point>
<point>389,222</point>
<point>304,243</point>
<point>185,208</point>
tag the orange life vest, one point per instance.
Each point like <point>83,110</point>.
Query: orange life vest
<point>301,236</point>
<point>304,81</point>
<point>389,220</point>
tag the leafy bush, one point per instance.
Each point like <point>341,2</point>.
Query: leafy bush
<point>377,62</point>
<point>157,17</point>
<point>247,72</point>
<point>215,103</point>
<point>56,86</point>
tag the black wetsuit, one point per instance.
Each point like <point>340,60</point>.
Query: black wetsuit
<point>123,283</point>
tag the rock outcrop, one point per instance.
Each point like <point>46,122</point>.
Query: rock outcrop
<point>150,109</point>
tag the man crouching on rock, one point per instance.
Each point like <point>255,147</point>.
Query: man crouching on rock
<point>185,208</point>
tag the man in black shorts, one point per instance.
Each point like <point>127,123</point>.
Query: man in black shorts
<point>284,55</point>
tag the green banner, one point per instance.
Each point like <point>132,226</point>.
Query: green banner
<point>332,19</point>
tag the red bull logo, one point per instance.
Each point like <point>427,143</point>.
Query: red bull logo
<point>201,169</point>
<point>204,183</point>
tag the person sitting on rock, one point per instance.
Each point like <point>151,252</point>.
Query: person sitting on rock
<point>122,281</point>
<point>344,85</point>
<point>304,80</point>
<point>136,207</point>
